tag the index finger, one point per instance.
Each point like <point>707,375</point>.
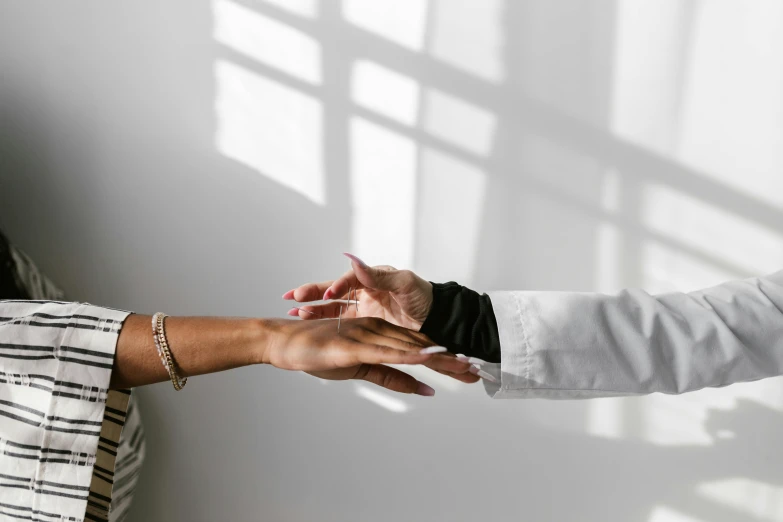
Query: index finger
<point>377,354</point>
<point>317,291</point>
<point>341,286</point>
<point>307,292</point>
<point>388,329</point>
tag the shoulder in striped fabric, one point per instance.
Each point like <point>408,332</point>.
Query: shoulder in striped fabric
<point>120,451</point>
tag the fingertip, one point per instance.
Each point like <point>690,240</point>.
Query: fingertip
<point>433,349</point>
<point>328,294</point>
<point>293,312</point>
<point>288,295</point>
<point>424,390</point>
<point>475,370</point>
<point>355,259</point>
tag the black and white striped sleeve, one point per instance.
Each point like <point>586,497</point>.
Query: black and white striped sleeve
<point>56,360</point>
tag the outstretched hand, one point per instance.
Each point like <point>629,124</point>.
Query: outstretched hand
<point>397,296</point>
<point>360,350</point>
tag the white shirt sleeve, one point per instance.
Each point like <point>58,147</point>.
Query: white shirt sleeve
<point>580,345</point>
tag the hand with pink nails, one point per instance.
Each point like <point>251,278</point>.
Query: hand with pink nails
<point>397,296</point>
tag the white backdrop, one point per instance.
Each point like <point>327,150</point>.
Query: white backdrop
<point>203,157</point>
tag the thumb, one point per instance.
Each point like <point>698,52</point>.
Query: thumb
<point>384,278</point>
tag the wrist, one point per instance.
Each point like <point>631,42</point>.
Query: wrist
<point>426,300</point>
<point>429,294</point>
<point>417,297</point>
<point>264,333</point>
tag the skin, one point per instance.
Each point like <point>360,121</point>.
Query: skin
<point>199,345</point>
<point>398,296</point>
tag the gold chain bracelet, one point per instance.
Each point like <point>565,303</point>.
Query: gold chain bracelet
<point>162,344</point>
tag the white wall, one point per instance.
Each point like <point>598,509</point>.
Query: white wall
<point>203,157</point>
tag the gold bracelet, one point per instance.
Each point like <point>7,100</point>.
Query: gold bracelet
<point>162,344</point>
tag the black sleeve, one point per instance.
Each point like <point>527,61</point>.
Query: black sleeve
<point>463,321</point>
<point>10,287</point>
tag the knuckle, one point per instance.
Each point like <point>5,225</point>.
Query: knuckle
<point>358,333</point>
<point>363,371</point>
<point>389,380</point>
<point>409,347</point>
<point>343,359</point>
<point>373,375</point>
<point>374,322</point>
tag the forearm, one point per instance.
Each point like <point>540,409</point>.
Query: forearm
<point>199,345</point>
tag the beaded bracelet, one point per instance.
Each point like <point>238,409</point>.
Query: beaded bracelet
<point>162,345</point>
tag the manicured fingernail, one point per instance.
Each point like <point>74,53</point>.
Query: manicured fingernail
<point>425,390</point>
<point>470,360</point>
<point>327,294</point>
<point>293,312</point>
<point>481,373</point>
<point>433,349</point>
<point>288,295</point>
<point>354,258</point>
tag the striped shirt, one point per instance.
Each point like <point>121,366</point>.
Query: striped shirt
<point>70,448</point>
